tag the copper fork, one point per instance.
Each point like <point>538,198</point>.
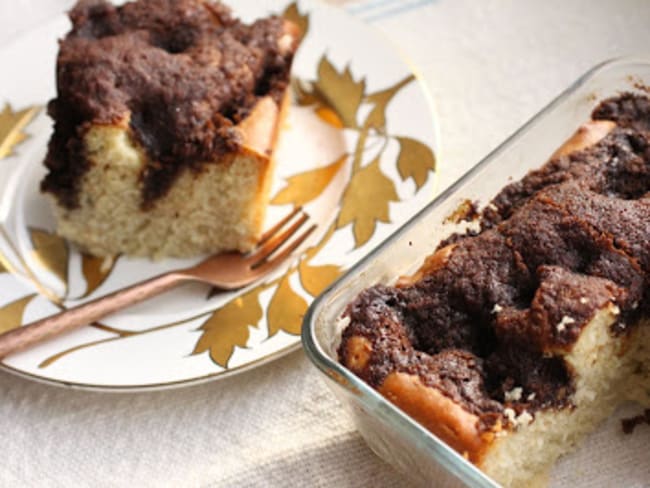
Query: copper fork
<point>226,271</point>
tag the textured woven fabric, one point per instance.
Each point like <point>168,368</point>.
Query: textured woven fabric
<point>490,65</point>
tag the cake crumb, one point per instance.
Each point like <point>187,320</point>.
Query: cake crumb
<point>566,320</point>
<point>531,397</point>
<point>616,310</point>
<point>341,324</point>
<point>511,415</point>
<point>514,395</point>
<point>524,418</point>
<point>497,308</point>
<point>467,211</point>
<point>584,300</point>
<point>590,395</point>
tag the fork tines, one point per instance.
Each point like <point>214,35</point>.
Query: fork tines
<point>277,243</point>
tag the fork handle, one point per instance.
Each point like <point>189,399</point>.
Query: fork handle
<point>86,313</point>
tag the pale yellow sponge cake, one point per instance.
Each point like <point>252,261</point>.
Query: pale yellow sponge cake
<point>166,119</point>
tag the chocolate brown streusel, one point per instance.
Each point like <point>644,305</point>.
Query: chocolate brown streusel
<point>183,72</point>
<point>554,248</point>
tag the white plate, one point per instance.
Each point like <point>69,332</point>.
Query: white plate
<point>358,154</point>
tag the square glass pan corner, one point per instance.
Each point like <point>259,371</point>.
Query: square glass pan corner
<point>403,252</point>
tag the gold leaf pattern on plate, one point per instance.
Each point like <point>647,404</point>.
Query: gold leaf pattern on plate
<point>366,201</point>
<point>11,127</point>
<point>330,117</point>
<point>95,270</point>
<point>292,14</point>
<point>340,91</point>
<point>303,93</point>
<point>415,160</point>
<point>11,315</point>
<point>286,309</point>
<point>29,274</point>
<point>315,279</point>
<point>305,187</point>
<point>377,117</point>
<point>228,326</point>
<point>51,251</point>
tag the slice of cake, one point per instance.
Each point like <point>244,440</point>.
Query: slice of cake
<point>513,342</point>
<point>165,121</point>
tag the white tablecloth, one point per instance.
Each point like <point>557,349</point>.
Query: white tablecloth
<point>490,65</point>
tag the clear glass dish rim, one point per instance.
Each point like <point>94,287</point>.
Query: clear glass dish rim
<point>346,379</point>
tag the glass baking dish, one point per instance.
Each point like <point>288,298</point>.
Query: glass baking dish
<point>390,433</point>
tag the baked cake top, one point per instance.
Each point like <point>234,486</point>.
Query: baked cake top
<point>492,306</point>
<point>181,73</point>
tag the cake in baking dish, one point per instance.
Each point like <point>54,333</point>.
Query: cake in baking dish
<point>512,342</point>
<point>165,121</point>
